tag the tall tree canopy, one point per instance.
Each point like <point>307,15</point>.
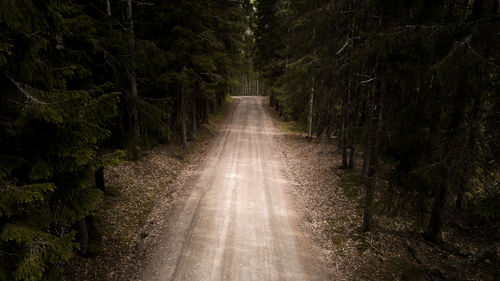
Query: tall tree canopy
<point>413,85</point>
<point>82,79</point>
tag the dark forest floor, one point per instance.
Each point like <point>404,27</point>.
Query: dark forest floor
<point>393,250</point>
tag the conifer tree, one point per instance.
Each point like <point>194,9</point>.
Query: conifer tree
<point>53,115</point>
<point>409,84</point>
<point>81,79</point>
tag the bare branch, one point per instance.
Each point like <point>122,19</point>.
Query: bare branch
<point>23,89</point>
<point>368,81</point>
<point>345,45</point>
<point>143,3</point>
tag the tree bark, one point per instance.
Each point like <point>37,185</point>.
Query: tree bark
<point>99,178</point>
<point>340,130</point>
<point>242,84</point>
<point>132,99</point>
<point>310,117</point>
<point>358,123</point>
<point>108,8</point>
<point>134,114</point>
<point>345,112</point>
<point>371,160</point>
<point>194,118</point>
<point>460,198</point>
<point>434,230</point>
<point>351,157</point>
<point>206,111</point>
<point>343,138</point>
<point>319,126</point>
<point>257,84</point>
<point>83,236</point>
<point>215,103</point>
<point>329,123</point>
<point>183,119</point>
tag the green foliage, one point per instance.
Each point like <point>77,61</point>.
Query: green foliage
<point>53,117</point>
<point>111,159</point>
<point>15,197</point>
<point>429,71</point>
<point>42,251</point>
<point>67,107</point>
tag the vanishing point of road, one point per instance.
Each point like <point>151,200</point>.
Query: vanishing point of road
<point>237,223</point>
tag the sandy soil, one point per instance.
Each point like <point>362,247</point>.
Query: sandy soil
<point>237,223</point>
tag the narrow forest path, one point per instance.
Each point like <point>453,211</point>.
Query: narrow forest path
<point>236,224</point>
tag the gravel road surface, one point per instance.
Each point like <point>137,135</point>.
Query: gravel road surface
<point>237,223</point>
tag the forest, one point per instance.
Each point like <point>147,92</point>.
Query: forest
<point>86,84</point>
<point>412,87</point>
<point>409,91</point>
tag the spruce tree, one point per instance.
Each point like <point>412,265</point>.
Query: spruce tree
<point>410,84</point>
<point>54,116</point>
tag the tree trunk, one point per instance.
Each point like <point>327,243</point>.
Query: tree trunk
<point>83,235</point>
<point>371,160</point>
<point>207,110</point>
<point>310,117</point>
<point>99,178</point>
<point>194,118</point>
<point>184,129</point>
<point>328,131</point>
<point>368,208</point>
<point>344,156</point>
<point>329,117</point>
<point>343,139</point>
<point>215,103</point>
<point>319,126</point>
<point>351,157</point>
<point>340,129</point>
<point>130,17</point>
<point>358,123</point>
<point>108,8</point>
<point>257,84</point>
<point>345,112</point>
<point>134,114</point>
<point>460,198</point>
<point>242,84</point>
<point>132,99</point>
<point>183,119</point>
<point>433,232</point>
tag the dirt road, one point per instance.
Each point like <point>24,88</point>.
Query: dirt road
<point>237,223</point>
